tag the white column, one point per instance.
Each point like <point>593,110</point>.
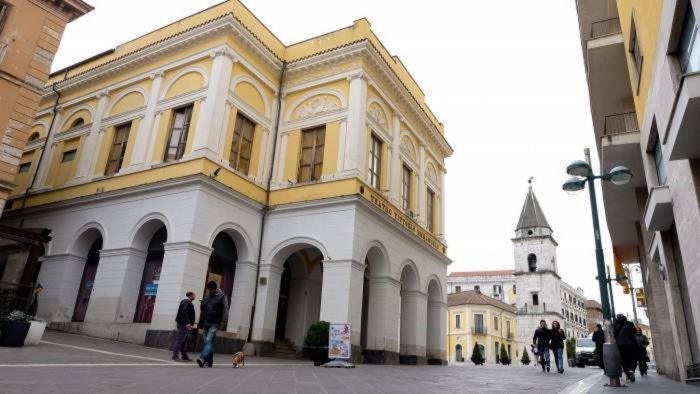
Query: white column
<point>383,314</point>
<point>184,269</point>
<point>152,141</point>
<point>90,147</point>
<point>437,327</point>
<point>262,159</point>
<point>60,275</point>
<point>210,121</point>
<point>45,165</point>
<point>268,298</point>
<point>422,192</point>
<point>117,285</point>
<point>342,149</point>
<point>395,168</point>
<point>282,155</point>
<point>341,294</point>
<point>145,133</point>
<point>414,309</point>
<point>356,132</point>
<point>242,298</point>
<point>100,138</point>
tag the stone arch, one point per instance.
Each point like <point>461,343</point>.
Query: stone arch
<point>412,279</point>
<point>84,111</point>
<point>373,311</point>
<point>318,93</point>
<point>145,229</point>
<point>39,128</point>
<point>379,256</point>
<point>408,147</point>
<point>244,245</point>
<point>409,339</point>
<point>85,236</point>
<point>245,80</point>
<point>85,250</point>
<point>532,262</point>
<point>128,100</point>
<point>186,73</point>
<point>286,248</point>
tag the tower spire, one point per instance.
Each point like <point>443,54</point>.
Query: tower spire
<point>531,214</point>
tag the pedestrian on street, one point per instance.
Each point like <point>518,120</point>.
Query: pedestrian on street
<point>214,311</point>
<point>185,323</point>
<point>642,342</point>
<point>599,340</point>
<point>556,343</point>
<point>541,340</point>
<point>626,339</point>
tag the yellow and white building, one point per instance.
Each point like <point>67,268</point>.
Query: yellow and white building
<point>475,318</point>
<point>307,179</point>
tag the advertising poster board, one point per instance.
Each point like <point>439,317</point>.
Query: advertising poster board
<point>339,344</point>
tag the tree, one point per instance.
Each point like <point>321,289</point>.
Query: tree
<point>505,357</point>
<point>571,348</point>
<point>477,356</point>
<point>526,359</point>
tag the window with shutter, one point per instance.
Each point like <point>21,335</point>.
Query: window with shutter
<point>118,149</point>
<point>311,157</point>
<point>178,133</point>
<point>242,144</point>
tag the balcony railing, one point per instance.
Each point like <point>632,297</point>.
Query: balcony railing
<point>621,123</point>
<point>479,330</point>
<point>510,335</point>
<point>605,28</point>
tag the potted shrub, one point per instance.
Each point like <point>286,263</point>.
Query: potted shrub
<point>571,351</point>
<point>505,357</point>
<point>477,356</point>
<point>37,326</point>
<point>14,328</point>
<point>526,358</point>
<point>316,342</point>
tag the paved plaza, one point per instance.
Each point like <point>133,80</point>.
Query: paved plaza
<point>77,364</point>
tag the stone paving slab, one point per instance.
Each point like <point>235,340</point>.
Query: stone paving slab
<point>76,364</point>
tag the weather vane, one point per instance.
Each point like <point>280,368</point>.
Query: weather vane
<point>529,181</point>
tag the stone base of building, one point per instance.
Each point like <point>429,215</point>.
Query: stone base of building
<point>163,339</point>
<point>123,332</point>
<point>436,361</point>
<point>264,349</point>
<point>412,360</point>
<point>380,357</point>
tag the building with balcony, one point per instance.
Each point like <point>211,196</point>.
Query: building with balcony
<point>534,287</point>
<point>306,179</point>
<point>475,318</point>
<point>643,74</point>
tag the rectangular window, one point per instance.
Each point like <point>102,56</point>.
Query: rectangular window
<point>118,149</point>
<point>458,321</point>
<point>689,44</point>
<point>660,163</point>
<point>477,288</point>
<point>514,290</point>
<point>431,210</point>
<point>68,155</point>
<point>24,167</point>
<point>636,53</point>
<point>508,328</point>
<point>458,289</point>
<point>406,188</point>
<point>178,133</point>
<point>495,322</point>
<point>4,9</point>
<point>375,162</point>
<point>311,157</point>
<point>242,144</point>
<point>496,290</point>
<point>478,323</point>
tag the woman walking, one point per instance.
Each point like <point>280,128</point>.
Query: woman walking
<point>557,345</point>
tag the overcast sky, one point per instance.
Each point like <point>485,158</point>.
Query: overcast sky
<point>505,77</point>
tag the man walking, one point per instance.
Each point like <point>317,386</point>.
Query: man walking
<point>214,313</point>
<point>541,340</point>
<point>185,322</point>
<point>599,340</point>
<point>626,339</point>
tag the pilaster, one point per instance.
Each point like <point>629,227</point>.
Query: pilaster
<point>45,165</point>
<point>395,167</point>
<point>60,275</point>
<point>91,148</point>
<point>356,131</point>
<point>341,294</point>
<point>145,133</point>
<point>242,298</point>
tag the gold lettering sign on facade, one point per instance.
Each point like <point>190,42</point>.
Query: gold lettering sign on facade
<point>402,219</point>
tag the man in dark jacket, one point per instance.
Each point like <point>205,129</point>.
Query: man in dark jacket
<point>214,314</point>
<point>185,322</point>
<point>626,339</point>
<point>599,340</point>
<point>541,340</point>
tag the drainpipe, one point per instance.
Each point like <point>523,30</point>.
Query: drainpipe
<point>43,150</point>
<point>266,207</point>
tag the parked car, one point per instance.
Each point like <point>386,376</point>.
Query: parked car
<point>584,352</point>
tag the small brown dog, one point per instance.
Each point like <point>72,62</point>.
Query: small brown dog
<point>238,360</point>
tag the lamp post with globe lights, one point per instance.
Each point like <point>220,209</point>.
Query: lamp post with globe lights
<point>582,174</point>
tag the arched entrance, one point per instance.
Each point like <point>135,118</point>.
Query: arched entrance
<point>299,299</point>
<point>375,319</point>
<point>408,329</point>
<point>458,353</point>
<point>151,277</point>
<point>87,281</point>
<point>435,318</point>
<point>222,264</point>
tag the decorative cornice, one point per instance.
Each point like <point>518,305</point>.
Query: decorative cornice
<point>157,74</point>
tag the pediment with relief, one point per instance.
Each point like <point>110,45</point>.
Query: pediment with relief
<point>377,113</point>
<point>316,105</point>
<point>407,148</point>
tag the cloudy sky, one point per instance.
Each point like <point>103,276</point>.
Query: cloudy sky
<point>505,77</point>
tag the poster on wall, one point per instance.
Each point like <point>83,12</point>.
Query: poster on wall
<point>339,341</point>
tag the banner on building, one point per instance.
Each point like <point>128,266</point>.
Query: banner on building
<point>339,344</point>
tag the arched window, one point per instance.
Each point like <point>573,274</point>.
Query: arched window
<point>33,137</point>
<point>77,123</point>
<point>532,262</point>
<point>535,299</point>
<point>458,353</point>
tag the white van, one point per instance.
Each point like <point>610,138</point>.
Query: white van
<point>585,348</point>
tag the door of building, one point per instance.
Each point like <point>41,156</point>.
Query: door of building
<point>87,282</point>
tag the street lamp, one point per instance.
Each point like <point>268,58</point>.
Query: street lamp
<point>582,173</point>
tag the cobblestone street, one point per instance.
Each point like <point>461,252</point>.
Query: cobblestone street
<point>76,364</point>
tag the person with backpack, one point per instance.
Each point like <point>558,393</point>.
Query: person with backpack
<point>626,339</point>
<point>214,314</point>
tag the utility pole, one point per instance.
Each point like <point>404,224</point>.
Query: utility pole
<point>610,289</point>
